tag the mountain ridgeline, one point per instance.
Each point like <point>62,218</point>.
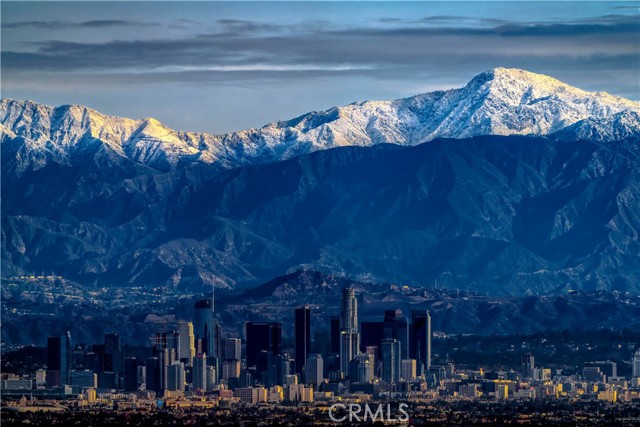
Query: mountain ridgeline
<point>516,183</point>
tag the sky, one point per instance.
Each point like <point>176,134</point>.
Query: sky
<point>224,66</point>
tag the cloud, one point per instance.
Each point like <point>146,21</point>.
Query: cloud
<point>66,25</point>
<point>240,26</point>
<point>240,50</point>
<point>440,20</point>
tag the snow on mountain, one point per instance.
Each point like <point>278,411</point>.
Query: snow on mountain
<point>498,102</point>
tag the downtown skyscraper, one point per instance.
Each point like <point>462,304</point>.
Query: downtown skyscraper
<point>349,333</point>
<point>302,337</point>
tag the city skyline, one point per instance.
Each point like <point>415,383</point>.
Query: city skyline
<point>268,373</point>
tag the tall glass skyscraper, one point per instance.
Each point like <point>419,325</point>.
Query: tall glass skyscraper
<point>264,340</point>
<point>391,361</point>
<point>420,339</point>
<point>113,356</point>
<point>203,325</point>
<point>302,337</point>
<point>58,360</point>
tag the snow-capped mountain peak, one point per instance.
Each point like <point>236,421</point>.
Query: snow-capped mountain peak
<point>500,101</point>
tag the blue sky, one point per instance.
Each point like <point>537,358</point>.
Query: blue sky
<point>222,66</point>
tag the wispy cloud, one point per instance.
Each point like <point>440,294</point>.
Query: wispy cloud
<point>66,25</point>
<point>403,47</point>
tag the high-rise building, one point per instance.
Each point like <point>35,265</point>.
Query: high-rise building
<point>113,360</point>
<point>396,326</point>
<point>349,310</point>
<point>321,344</point>
<point>231,369</point>
<point>636,364</point>
<point>164,360</point>
<point>232,349</point>
<point>82,379</point>
<point>349,333</point>
<point>175,377</point>
<point>53,362</point>
<point>528,365</point>
<point>130,374</point>
<point>212,376</point>
<point>302,337</point>
<point>152,374</point>
<point>262,337</point>
<point>420,339</point>
<point>371,335</point>
<point>204,328</point>
<point>314,369</point>
<point>142,375</point>
<point>65,357</point>
<point>502,391</point>
<point>284,368</point>
<point>199,372</point>
<point>58,360</point>
<point>391,361</point>
<point>608,368</point>
<point>187,342</point>
<point>408,370</point>
<point>372,354</point>
<point>334,324</point>
<point>360,369</point>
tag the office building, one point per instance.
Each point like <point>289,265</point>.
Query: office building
<point>468,391</point>
<point>502,391</point>
<point>314,369</point>
<point>53,362</point>
<point>635,372</point>
<point>152,378</point>
<point>349,333</point>
<point>302,336</point>
<point>360,369</point>
<point>130,374</point>
<point>204,327</point>
<point>231,369</point>
<point>391,361</point>
<point>107,380</point>
<point>396,326</point>
<point>65,357</point>
<point>212,376</point>
<point>187,346</point>
<point>420,339</point>
<point>83,379</point>
<point>113,359</point>
<point>232,349</point>
<point>371,335</point>
<point>334,334</point>
<point>608,368</point>
<point>321,344</point>
<point>261,336</point>
<point>199,373</point>
<point>175,377</point>
<point>58,360</point>
<point>528,365</point>
<point>408,370</point>
<point>264,340</point>
<point>593,374</point>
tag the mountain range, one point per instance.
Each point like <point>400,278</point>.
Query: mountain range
<point>516,183</point>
